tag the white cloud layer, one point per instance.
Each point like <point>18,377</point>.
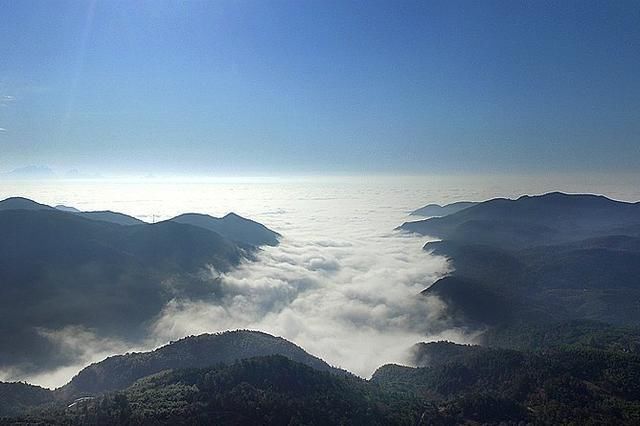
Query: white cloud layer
<point>341,284</point>
<point>356,305</point>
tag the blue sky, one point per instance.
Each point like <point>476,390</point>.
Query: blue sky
<point>270,87</point>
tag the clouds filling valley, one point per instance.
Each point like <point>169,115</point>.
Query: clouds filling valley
<point>341,284</point>
<point>355,304</point>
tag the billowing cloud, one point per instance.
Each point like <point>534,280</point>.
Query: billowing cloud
<point>356,305</point>
<point>341,284</point>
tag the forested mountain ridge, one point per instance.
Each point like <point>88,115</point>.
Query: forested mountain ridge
<point>119,372</point>
<point>454,384</point>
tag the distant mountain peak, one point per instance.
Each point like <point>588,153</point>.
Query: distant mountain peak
<point>233,227</point>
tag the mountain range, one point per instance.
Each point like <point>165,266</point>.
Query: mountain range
<point>102,271</point>
<point>540,259</point>
<point>549,283</point>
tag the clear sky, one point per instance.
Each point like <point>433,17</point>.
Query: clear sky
<point>268,87</point>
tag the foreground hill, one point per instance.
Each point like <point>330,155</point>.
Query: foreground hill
<point>271,390</point>
<point>119,372</point>
<point>232,226</point>
<point>455,384</point>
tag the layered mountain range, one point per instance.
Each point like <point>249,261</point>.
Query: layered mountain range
<point>539,259</point>
<point>104,271</point>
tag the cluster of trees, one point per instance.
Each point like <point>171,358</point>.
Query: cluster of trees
<point>265,390</point>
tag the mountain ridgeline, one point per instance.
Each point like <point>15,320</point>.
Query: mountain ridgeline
<point>101,271</point>
<point>233,227</point>
<point>438,210</point>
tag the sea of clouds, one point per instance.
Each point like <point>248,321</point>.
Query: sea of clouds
<point>342,284</point>
<point>355,304</point>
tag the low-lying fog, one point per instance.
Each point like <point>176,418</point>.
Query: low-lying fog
<point>342,284</point>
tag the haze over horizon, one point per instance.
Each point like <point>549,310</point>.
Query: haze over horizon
<point>257,88</point>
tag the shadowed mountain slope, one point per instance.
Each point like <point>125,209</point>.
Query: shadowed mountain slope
<point>58,269</point>
<point>553,257</point>
<point>596,279</point>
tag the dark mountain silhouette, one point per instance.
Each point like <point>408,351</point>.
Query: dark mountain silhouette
<point>528,221</point>
<point>59,269</point>
<point>472,303</point>
<point>119,372</point>
<point>438,210</point>
<point>20,203</point>
<point>233,227</point>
